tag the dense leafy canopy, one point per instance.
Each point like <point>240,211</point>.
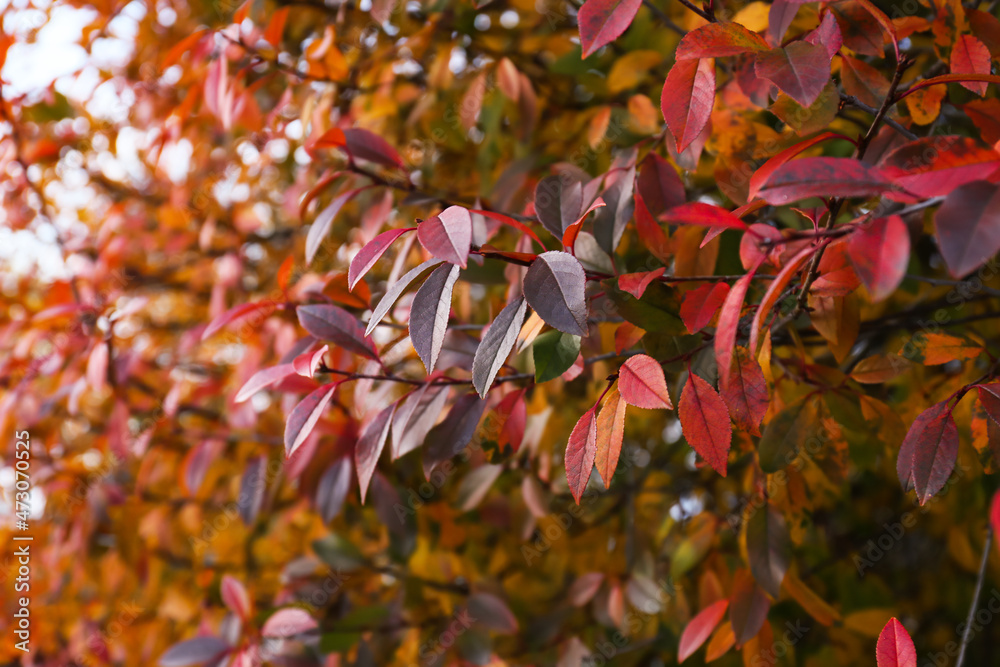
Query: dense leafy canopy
<point>506,332</point>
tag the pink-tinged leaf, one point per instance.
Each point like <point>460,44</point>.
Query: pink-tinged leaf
<point>759,244</point>
<point>660,186</point>
<point>448,235</point>
<point>554,287</point>
<point>894,647</point>
<point>822,177</point>
<point>636,283</point>
<point>701,304</point>
<point>416,415</point>
<point>746,393</point>
<point>303,417</point>
<point>369,447</point>
<point>970,56</point>
<point>801,70</point>
<point>507,220</point>
<point>365,145</point>
<point>333,487</point>
<point>584,588</point>
<point>880,251</point>
<point>827,34</point>
<point>687,99</point>
<point>429,313</point>
<point>454,433</point>
<point>642,383</point>
<point>306,363</point>
<point>320,227</point>
<point>235,596</point>
<point>703,215</point>
<point>989,396</point>
<point>195,651</point>
<point>263,379</point>
<point>995,513</point>
<point>581,451</point>
<point>935,166</point>
<point>700,628</point>
<point>610,433</point>
<point>332,323</point>
<point>729,320</point>
<point>928,453</point>
<point>492,613</point>
<point>765,170</point>
<point>705,422</point>
<point>775,290</point>
<point>496,344</point>
<point>394,292</point>
<point>370,254</point>
<point>97,366</point>
<point>603,21</point>
<point>288,622</point>
<point>235,314</point>
<point>569,236</point>
<point>967,227</point>
<point>718,40</point>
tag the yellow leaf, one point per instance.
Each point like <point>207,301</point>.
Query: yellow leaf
<point>629,70</point>
<point>644,116</point>
<point>932,349</point>
<point>814,605</point>
<point>868,622</point>
<point>925,104</point>
<point>598,126</point>
<point>754,16</point>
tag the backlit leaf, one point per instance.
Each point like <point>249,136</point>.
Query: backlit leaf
<point>700,628</point>
<point>642,383</point>
<point>687,99</point>
<point>894,647</point>
<point>880,251</point>
<point>603,21</point>
<point>581,450</point>
<point>705,420</point>
<point>448,235</point>
<point>610,432</point>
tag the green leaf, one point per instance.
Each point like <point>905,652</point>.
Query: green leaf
<point>554,353</point>
<point>658,311</point>
<point>338,553</point>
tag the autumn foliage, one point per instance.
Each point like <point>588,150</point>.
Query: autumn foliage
<point>505,333</point>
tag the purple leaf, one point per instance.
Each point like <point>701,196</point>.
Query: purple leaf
<point>333,487</point>
<point>555,289</point>
<point>394,292</point>
<point>194,652</point>
<point>304,416</point>
<point>369,447</point>
<point>496,344</point>
<point>332,323</point>
<point>452,435</point>
<point>429,314</point>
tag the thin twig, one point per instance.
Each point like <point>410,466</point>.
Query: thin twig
<point>975,597</point>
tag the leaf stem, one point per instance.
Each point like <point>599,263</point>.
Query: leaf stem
<point>975,597</point>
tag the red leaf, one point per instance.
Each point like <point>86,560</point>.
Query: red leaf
<point>306,363</point>
<point>660,186</point>
<point>718,40</point>
<point>746,393</point>
<point>603,21</point>
<point>928,453</point>
<point>822,177</point>
<point>935,166</point>
<point>369,146</point>
<point>884,22</point>
<point>995,513</point>
<point>989,396</point>
<point>970,56</point>
<point>748,607</point>
<point>328,322</point>
<point>650,232</point>
<point>235,314</point>
<point>642,383</point>
<point>725,331</point>
<point>370,254</point>
<point>705,421</point>
<point>369,447</point>
<point>774,290</point>
<point>304,416</point>
<point>263,379</point>
<point>610,432</point>
<point>700,305</point>
<point>947,78</point>
<point>636,283</point>
<point>687,99</point>
<point>880,251</point>
<point>967,227</point>
<point>507,220</point>
<point>581,450</point>
<point>448,235</point>
<point>700,628</point>
<point>895,648</point>
<point>765,170</point>
<point>703,215</point>
<point>801,70</point>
